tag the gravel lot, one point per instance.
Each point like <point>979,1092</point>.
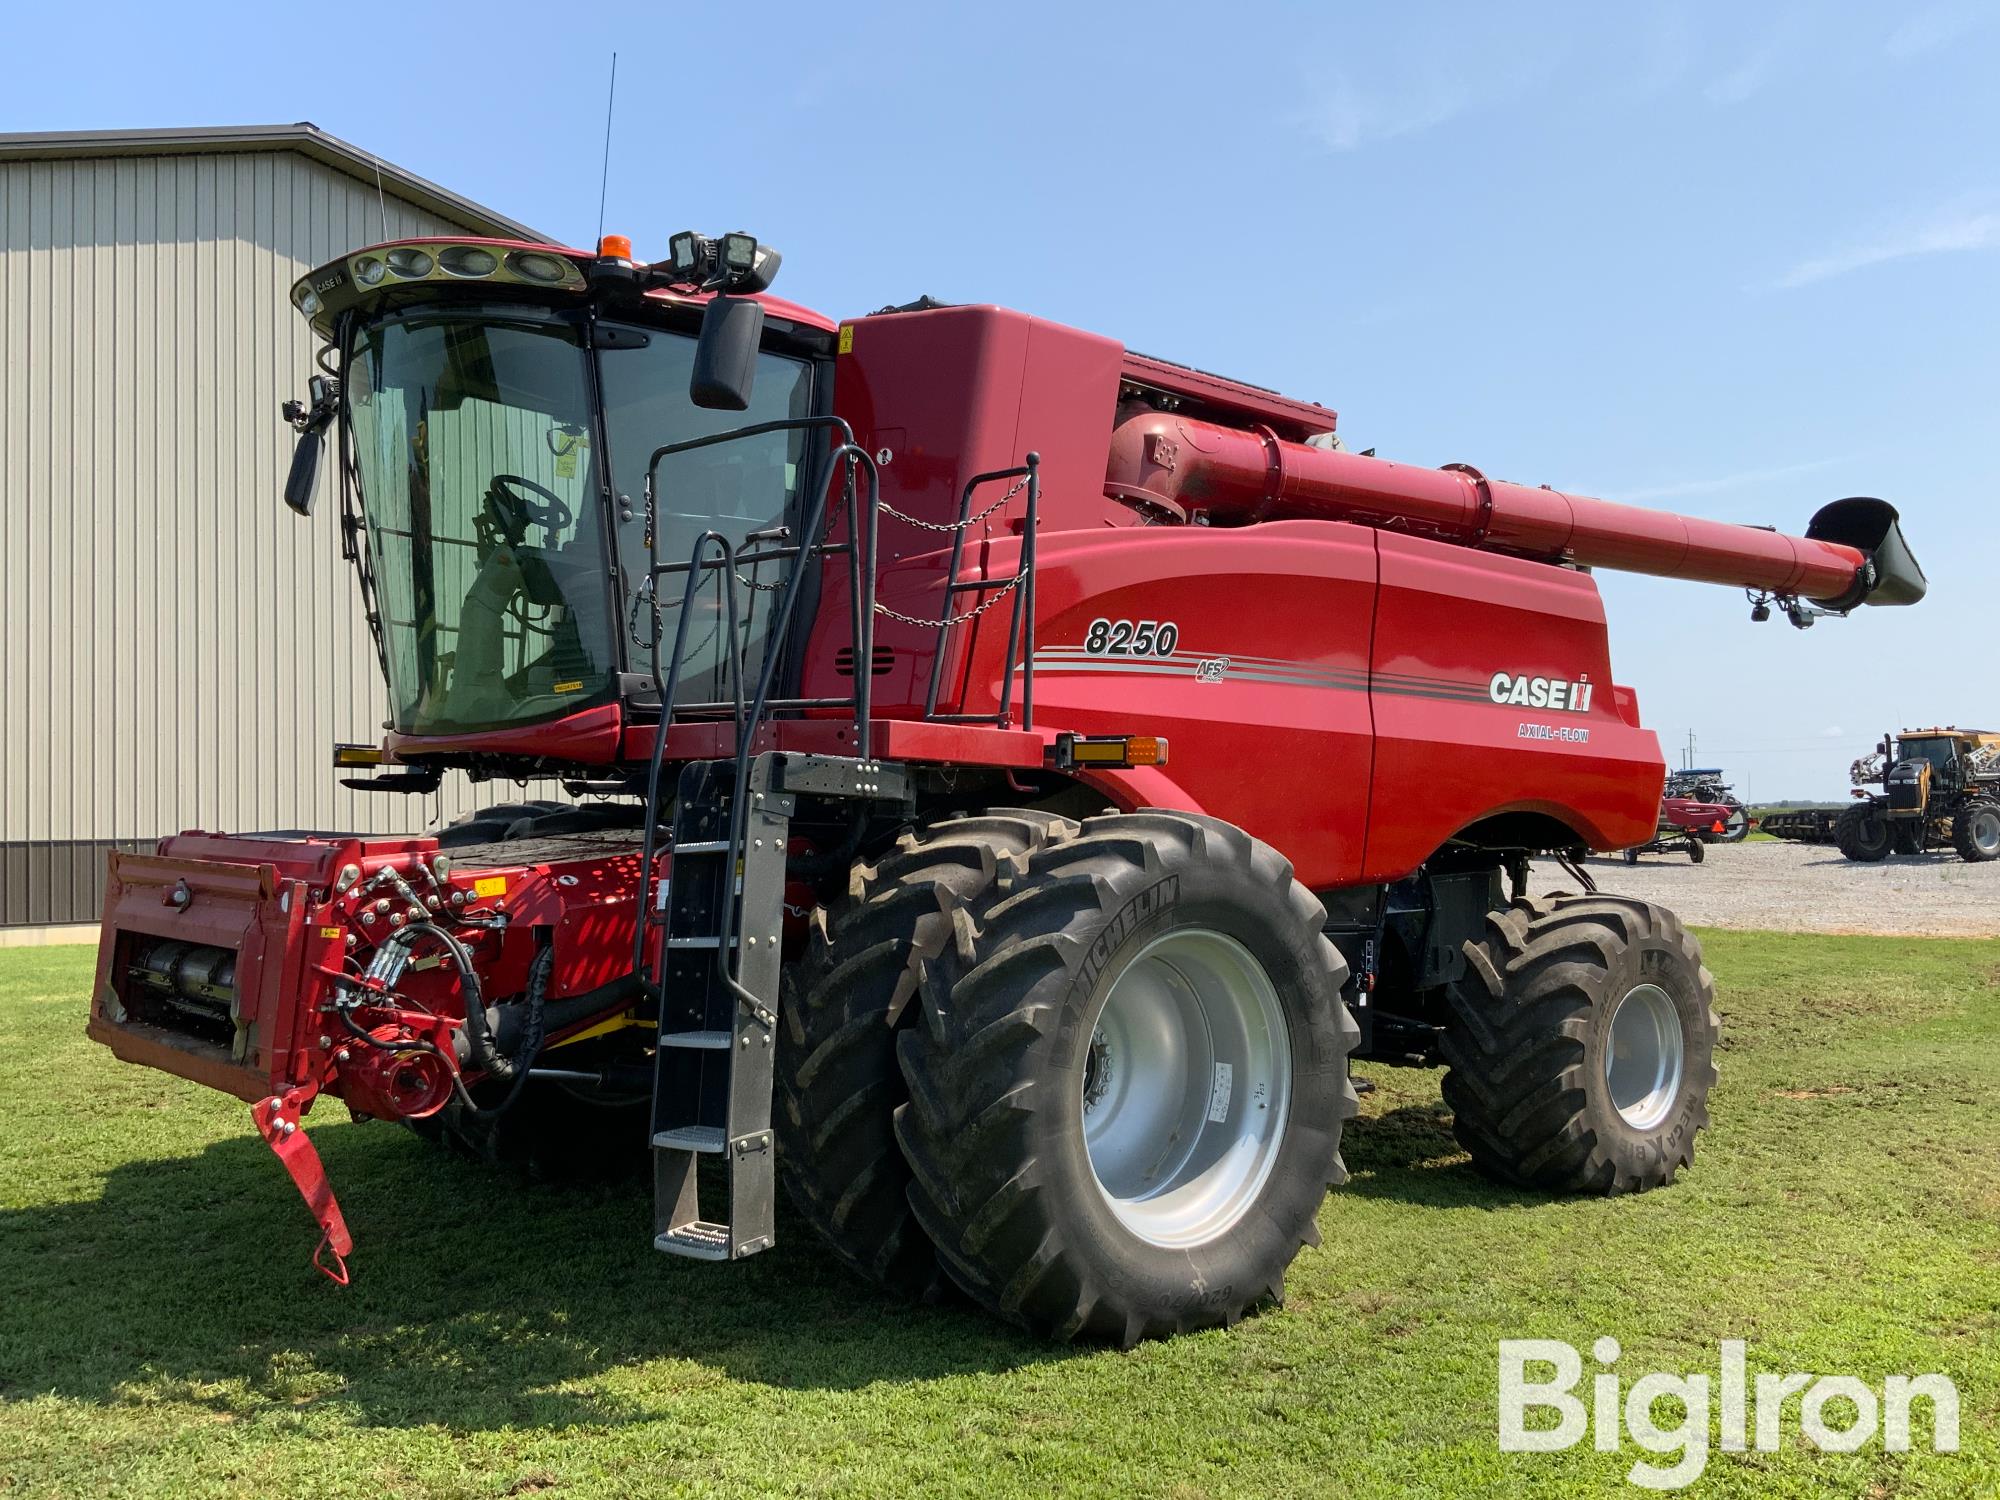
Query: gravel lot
<point>1777,887</point>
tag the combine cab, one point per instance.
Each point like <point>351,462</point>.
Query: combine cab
<point>1940,787</point>
<point>1015,776</point>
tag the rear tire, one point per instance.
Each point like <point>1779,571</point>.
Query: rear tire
<point>1582,1046</point>
<point>1975,831</point>
<point>1736,827</point>
<point>838,1083</point>
<point>1862,833</point>
<point>1907,838</point>
<point>1127,1091</point>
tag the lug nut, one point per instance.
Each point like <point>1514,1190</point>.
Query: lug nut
<point>415,914</point>
<point>368,919</point>
<point>353,941</point>
<point>290,1127</point>
<point>325,1042</point>
<point>341,1056</point>
<point>458,898</point>
<point>395,919</point>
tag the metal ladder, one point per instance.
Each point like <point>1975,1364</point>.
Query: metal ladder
<point>724,916</point>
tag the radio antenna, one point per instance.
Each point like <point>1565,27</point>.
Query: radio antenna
<point>604,181</point>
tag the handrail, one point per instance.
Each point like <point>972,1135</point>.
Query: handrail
<point>666,688</point>
<point>861,500</point>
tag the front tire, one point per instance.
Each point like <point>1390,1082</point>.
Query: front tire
<point>1975,831</point>
<point>838,1084</point>
<point>1862,833</point>
<point>1127,1093</point>
<point>1582,1046</point>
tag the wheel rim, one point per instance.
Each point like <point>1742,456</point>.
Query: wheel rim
<point>1186,1088</point>
<point>1986,831</point>
<point>1643,1056</point>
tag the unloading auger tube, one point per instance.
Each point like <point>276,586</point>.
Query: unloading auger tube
<point>1853,551</point>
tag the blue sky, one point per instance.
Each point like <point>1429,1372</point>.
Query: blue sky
<point>1734,260</point>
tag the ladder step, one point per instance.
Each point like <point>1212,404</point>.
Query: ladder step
<point>698,942</point>
<point>706,846</point>
<point>708,1138</point>
<point>697,1241</point>
<point>712,1041</point>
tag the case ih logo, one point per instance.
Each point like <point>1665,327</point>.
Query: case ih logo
<point>1540,692</point>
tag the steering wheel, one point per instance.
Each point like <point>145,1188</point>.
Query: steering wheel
<point>510,498</point>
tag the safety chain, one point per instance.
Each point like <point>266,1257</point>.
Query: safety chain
<point>971,614</point>
<point>646,593</point>
<point>948,527</point>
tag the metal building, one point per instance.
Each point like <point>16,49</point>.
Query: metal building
<point>180,650</point>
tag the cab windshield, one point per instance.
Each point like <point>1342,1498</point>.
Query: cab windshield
<point>1941,753</point>
<point>508,554</point>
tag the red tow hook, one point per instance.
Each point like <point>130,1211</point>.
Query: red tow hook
<point>277,1121</point>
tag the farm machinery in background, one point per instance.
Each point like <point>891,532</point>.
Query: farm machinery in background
<point>1939,788</point>
<point>1801,825</point>
<point>1014,777</point>
<point>1686,826</point>
<point>1705,787</point>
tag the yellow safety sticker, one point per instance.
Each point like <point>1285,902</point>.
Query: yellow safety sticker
<point>490,885</point>
<point>568,687</point>
<point>332,932</point>
<point>847,338</point>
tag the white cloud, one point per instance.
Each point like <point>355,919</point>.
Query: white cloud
<point>1756,67</point>
<point>1685,487</point>
<point>1933,26</point>
<point>1964,226</point>
<point>1342,115</point>
<point>1833,732</point>
<point>1745,79</point>
<point>1666,49</point>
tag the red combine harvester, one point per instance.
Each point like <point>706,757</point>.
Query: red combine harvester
<point>1012,778</point>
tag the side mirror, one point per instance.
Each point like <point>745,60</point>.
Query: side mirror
<point>725,356</point>
<point>310,422</point>
<point>305,469</point>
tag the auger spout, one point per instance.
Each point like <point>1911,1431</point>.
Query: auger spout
<point>1852,553</point>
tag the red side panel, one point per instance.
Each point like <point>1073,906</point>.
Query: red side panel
<point>1260,686</point>
<point>948,394</point>
<point>1447,754</point>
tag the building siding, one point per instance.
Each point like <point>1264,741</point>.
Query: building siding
<point>180,650</point>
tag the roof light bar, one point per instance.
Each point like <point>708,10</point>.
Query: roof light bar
<point>332,287</point>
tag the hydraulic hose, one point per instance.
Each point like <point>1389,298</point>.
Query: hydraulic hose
<point>487,1054</point>
<point>482,1049</point>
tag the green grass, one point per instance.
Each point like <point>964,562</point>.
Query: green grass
<point>160,1333</point>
